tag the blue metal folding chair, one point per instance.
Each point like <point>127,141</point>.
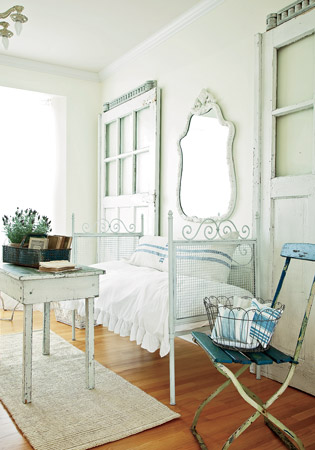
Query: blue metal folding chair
<point>219,357</point>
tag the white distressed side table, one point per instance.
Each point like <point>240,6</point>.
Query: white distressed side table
<point>30,286</point>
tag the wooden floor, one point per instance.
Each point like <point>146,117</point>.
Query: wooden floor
<point>195,380</point>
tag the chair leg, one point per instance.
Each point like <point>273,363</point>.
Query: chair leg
<point>241,429</point>
<point>205,402</point>
<point>282,432</point>
<point>200,441</point>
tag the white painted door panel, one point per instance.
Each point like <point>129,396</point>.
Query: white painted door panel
<point>129,162</point>
<point>287,155</point>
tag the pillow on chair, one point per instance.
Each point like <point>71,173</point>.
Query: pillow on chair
<point>264,322</point>
<point>232,328</point>
<point>244,325</point>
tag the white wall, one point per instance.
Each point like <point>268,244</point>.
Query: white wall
<point>216,52</point>
<point>83,106</point>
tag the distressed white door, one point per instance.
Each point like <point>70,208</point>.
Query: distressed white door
<point>129,161</point>
<point>288,181</point>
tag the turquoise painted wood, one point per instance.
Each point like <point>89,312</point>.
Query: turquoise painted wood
<point>224,356</point>
<point>278,356</point>
<point>299,251</point>
<point>217,354</point>
<point>219,357</point>
<point>259,358</point>
<point>238,357</point>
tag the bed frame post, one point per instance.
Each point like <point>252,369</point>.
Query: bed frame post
<point>171,269</point>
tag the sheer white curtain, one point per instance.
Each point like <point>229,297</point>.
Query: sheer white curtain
<point>32,154</point>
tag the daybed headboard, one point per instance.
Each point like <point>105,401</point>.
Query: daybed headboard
<point>212,259</point>
<point>113,241</point>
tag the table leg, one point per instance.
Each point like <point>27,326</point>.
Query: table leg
<point>46,329</point>
<point>27,354</point>
<point>89,343</point>
<point>73,325</point>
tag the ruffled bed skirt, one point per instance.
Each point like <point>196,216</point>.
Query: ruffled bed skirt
<point>126,328</point>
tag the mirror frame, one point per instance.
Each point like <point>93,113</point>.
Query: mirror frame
<point>204,102</point>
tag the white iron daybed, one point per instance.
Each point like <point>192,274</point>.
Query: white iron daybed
<point>154,287</point>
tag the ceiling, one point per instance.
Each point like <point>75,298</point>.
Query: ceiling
<point>90,35</point>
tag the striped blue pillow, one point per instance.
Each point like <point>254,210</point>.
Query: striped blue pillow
<point>211,263</point>
<point>152,251</point>
<point>264,322</point>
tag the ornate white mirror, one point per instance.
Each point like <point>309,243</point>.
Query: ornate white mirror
<point>206,181</point>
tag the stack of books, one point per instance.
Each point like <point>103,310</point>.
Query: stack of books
<point>56,266</point>
<point>54,242</point>
<point>58,241</point>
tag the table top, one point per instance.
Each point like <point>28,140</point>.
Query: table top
<point>29,273</point>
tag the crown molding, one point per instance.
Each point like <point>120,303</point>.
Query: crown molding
<point>52,69</point>
<point>165,33</point>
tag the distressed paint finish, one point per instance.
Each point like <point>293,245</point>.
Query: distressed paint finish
<point>29,286</point>
<point>218,356</point>
<point>289,12</point>
<point>172,296</point>
<point>89,343</point>
<point>73,325</point>
<point>46,329</point>
<point>114,201</point>
<point>287,202</point>
<point>27,354</point>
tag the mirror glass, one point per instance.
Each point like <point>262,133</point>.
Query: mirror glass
<point>206,177</point>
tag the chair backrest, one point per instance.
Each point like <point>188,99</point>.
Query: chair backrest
<point>304,252</point>
<point>299,251</point>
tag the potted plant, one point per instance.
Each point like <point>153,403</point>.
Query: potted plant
<point>25,223</point>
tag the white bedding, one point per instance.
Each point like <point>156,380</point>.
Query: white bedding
<point>133,302</point>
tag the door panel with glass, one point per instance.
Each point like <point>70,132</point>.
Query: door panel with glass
<point>288,178</point>
<point>129,162</point>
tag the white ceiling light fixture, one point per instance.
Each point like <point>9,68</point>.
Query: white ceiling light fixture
<point>15,14</point>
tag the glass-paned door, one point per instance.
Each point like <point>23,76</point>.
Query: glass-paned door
<point>129,162</point>
<point>288,180</point>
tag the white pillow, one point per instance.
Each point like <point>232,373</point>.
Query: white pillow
<point>213,262</point>
<point>242,302</point>
<point>152,251</point>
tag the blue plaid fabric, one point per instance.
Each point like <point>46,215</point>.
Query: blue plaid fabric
<point>264,322</point>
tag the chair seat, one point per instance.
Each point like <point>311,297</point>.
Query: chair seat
<point>225,356</point>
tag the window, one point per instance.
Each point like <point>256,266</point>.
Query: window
<point>32,156</point>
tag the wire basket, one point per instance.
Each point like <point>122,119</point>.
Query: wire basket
<point>30,257</point>
<point>248,327</point>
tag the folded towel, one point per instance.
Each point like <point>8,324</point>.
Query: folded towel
<point>264,322</point>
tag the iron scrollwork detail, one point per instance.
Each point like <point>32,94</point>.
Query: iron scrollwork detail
<point>211,230</point>
<point>112,226</point>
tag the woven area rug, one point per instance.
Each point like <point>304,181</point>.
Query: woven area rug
<point>64,414</point>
